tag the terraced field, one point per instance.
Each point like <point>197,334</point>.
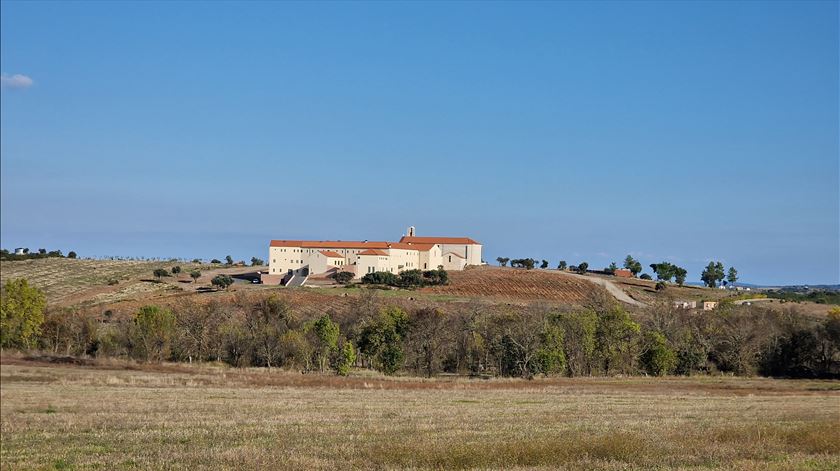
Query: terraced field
<point>63,279</point>
<point>516,285</point>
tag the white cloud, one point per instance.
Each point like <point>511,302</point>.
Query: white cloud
<point>16,81</point>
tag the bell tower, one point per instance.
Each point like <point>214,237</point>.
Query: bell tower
<point>410,232</point>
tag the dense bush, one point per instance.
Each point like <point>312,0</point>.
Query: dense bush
<point>658,358</point>
<point>343,277</point>
<point>222,281</point>
<point>380,278</point>
<point>408,278</point>
<point>435,277</point>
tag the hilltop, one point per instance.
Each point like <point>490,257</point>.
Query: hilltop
<point>121,285</point>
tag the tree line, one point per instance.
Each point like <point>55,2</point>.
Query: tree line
<point>601,338</point>
<point>713,274</point>
<point>41,253</point>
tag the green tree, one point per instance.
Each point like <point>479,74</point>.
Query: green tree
<point>229,260</point>
<point>324,334</point>
<point>215,261</point>
<point>526,263</point>
<point>502,261</point>
<point>679,275</point>
<point>611,269</point>
<point>154,328</point>
<point>346,359</point>
<point>633,265</point>
<point>579,340</point>
<point>381,339</point>
<point>562,265</point>
<point>176,269</point>
<point>657,357</point>
<point>257,262</point>
<point>644,276</point>
<point>544,264</point>
<point>72,254</point>
<point>195,275</point>
<point>712,274</point>
<point>664,270</point>
<point>582,267</point>
<point>616,340</point>
<point>551,358</point>
<point>21,313</point>
<point>732,276</point>
<point>160,272</point>
<point>222,281</point>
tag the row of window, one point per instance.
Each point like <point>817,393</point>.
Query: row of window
<point>344,251</point>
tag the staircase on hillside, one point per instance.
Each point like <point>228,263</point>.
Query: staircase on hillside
<point>296,280</point>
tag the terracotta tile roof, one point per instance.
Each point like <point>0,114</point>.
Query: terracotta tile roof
<point>330,254</point>
<point>438,240</point>
<point>406,243</point>
<point>330,244</point>
<point>374,252</point>
<point>286,243</point>
<point>452,253</point>
<point>405,246</point>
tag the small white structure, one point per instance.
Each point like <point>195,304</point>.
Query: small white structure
<point>685,304</point>
<point>19,251</point>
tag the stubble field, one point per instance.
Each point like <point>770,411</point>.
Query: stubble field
<point>182,417</point>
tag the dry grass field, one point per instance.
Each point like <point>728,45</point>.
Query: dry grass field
<point>108,416</point>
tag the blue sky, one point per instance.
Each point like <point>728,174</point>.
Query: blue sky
<point>675,131</point>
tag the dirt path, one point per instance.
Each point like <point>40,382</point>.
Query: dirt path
<point>611,288</point>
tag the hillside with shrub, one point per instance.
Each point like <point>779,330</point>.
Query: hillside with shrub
<point>366,330</point>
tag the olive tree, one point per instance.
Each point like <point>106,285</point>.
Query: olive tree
<point>222,281</point>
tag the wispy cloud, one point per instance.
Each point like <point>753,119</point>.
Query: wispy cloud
<point>15,81</point>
